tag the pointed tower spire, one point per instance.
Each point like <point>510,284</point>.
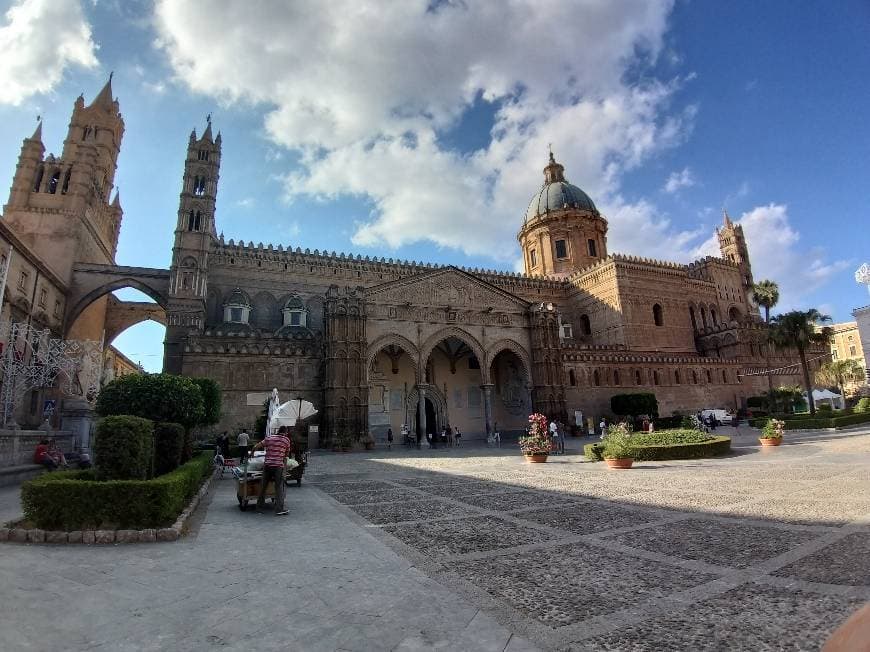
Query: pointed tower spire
<point>207,133</point>
<point>104,98</point>
<point>726,219</point>
<point>37,133</point>
<point>116,202</point>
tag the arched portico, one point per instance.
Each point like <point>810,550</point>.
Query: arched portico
<point>391,374</point>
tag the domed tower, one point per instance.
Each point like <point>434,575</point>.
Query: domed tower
<point>562,231</point>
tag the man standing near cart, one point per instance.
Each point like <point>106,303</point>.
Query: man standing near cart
<point>277,447</point>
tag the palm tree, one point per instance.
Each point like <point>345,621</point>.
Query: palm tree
<point>839,372</point>
<point>797,330</point>
<point>766,294</point>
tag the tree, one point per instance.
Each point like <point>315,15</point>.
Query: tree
<point>798,330</point>
<point>634,404</point>
<point>837,373</point>
<point>159,397</point>
<point>766,294</point>
<point>211,397</point>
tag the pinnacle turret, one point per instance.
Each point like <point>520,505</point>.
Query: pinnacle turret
<point>104,99</point>
<point>37,133</point>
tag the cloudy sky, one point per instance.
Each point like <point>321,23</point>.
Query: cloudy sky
<point>418,129</point>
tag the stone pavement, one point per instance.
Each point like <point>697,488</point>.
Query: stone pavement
<point>473,549</point>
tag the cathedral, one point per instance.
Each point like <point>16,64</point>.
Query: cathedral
<point>377,343</point>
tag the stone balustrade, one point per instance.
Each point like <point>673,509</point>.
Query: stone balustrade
<point>17,446</point>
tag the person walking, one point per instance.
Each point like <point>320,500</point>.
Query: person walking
<point>243,441</point>
<point>602,427</point>
<point>457,435</point>
<point>554,436</point>
<point>277,447</point>
<point>560,434</point>
<point>389,439</point>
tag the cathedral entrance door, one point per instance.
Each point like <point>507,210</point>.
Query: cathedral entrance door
<point>431,418</point>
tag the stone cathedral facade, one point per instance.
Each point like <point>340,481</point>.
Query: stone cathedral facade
<point>376,343</point>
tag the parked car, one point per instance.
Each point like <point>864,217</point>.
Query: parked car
<point>722,416</point>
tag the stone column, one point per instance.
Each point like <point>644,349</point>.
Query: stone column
<point>421,409</point>
<point>76,417</point>
<point>487,406</point>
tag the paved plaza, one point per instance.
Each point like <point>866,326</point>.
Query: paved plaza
<point>473,549</point>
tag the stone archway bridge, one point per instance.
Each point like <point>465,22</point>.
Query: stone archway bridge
<point>90,281</point>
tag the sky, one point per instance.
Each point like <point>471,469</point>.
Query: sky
<point>419,129</point>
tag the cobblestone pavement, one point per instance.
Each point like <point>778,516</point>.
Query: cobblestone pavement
<point>473,549</point>
<point>762,550</point>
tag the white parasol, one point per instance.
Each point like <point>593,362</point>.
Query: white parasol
<point>288,413</point>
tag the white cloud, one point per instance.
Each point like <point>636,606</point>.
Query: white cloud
<point>679,180</point>
<point>39,40</point>
<point>246,202</point>
<point>776,254</point>
<point>363,94</point>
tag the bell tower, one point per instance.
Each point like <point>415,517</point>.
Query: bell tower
<point>194,236</point>
<point>732,244</point>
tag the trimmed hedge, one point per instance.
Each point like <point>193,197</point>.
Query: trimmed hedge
<point>653,452</point>
<point>863,405</point>
<point>635,404</point>
<point>667,437</point>
<point>76,500</point>
<point>662,423</point>
<point>819,422</point>
<point>123,448</point>
<point>168,442</point>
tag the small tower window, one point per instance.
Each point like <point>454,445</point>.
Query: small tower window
<point>586,325</point>
<point>203,155</point>
<point>593,251</point>
<point>694,321</point>
<point>694,377</point>
<point>677,377</point>
<point>57,308</point>
<point>637,378</point>
<point>38,181</point>
<point>709,376</point>
<point>65,187</point>
<point>533,258</point>
<point>655,377</point>
<point>52,183</point>
<point>43,296</point>
<point>657,315</point>
<point>596,378</point>
<point>616,377</point>
<point>572,378</point>
<point>713,317</point>
<point>295,313</point>
<point>237,309</point>
<point>561,249</point>
<point>22,280</point>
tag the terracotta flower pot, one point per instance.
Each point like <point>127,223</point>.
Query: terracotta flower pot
<point>770,441</point>
<point>536,459</point>
<point>620,463</point>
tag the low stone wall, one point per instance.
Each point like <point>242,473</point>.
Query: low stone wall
<point>17,446</point>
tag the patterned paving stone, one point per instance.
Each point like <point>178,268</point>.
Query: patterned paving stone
<point>843,562</point>
<point>512,500</point>
<point>567,584</point>
<point>724,543</point>
<point>749,617</point>
<point>459,489</point>
<point>480,533</point>
<point>417,510</point>
<point>383,496</point>
<point>589,516</point>
<point>362,485</point>
<point>791,509</point>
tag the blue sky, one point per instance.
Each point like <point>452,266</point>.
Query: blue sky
<point>419,131</point>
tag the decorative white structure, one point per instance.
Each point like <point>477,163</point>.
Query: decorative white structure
<point>862,275</point>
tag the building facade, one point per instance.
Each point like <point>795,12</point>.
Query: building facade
<point>377,343</point>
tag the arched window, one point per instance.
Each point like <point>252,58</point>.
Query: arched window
<point>596,378</point>
<point>657,315</point>
<point>733,314</point>
<point>197,222</point>
<point>572,379</point>
<point>585,324</point>
<point>709,376</point>
<point>655,377</point>
<point>295,313</point>
<point>65,187</point>
<point>237,308</point>
<point>637,379</point>
<point>703,316</point>
<point>191,221</point>
<point>692,316</point>
<point>38,181</point>
<point>694,377</point>
<point>616,377</point>
<point>713,317</point>
<point>724,376</point>
<point>677,376</point>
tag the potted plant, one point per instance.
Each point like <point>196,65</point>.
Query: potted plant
<point>771,434</point>
<point>536,444</point>
<point>618,449</point>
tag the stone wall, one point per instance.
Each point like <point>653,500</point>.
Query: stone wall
<point>17,446</point>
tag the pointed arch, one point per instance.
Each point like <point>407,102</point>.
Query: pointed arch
<point>513,347</point>
<point>392,339</point>
<point>460,334</point>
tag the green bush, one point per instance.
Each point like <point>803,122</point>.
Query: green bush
<point>824,408</point>
<point>123,448</point>
<point>160,397</point>
<point>168,442</point>
<point>75,500</point>
<point>756,402</point>
<point>664,423</point>
<point>649,453</point>
<point>802,422</point>
<point>635,404</point>
<point>863,405</point>
<point>669,437</point>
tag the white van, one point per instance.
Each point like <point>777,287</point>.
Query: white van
<point>722,416</point>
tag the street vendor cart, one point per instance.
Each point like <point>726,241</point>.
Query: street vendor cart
<point>249,478</point>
